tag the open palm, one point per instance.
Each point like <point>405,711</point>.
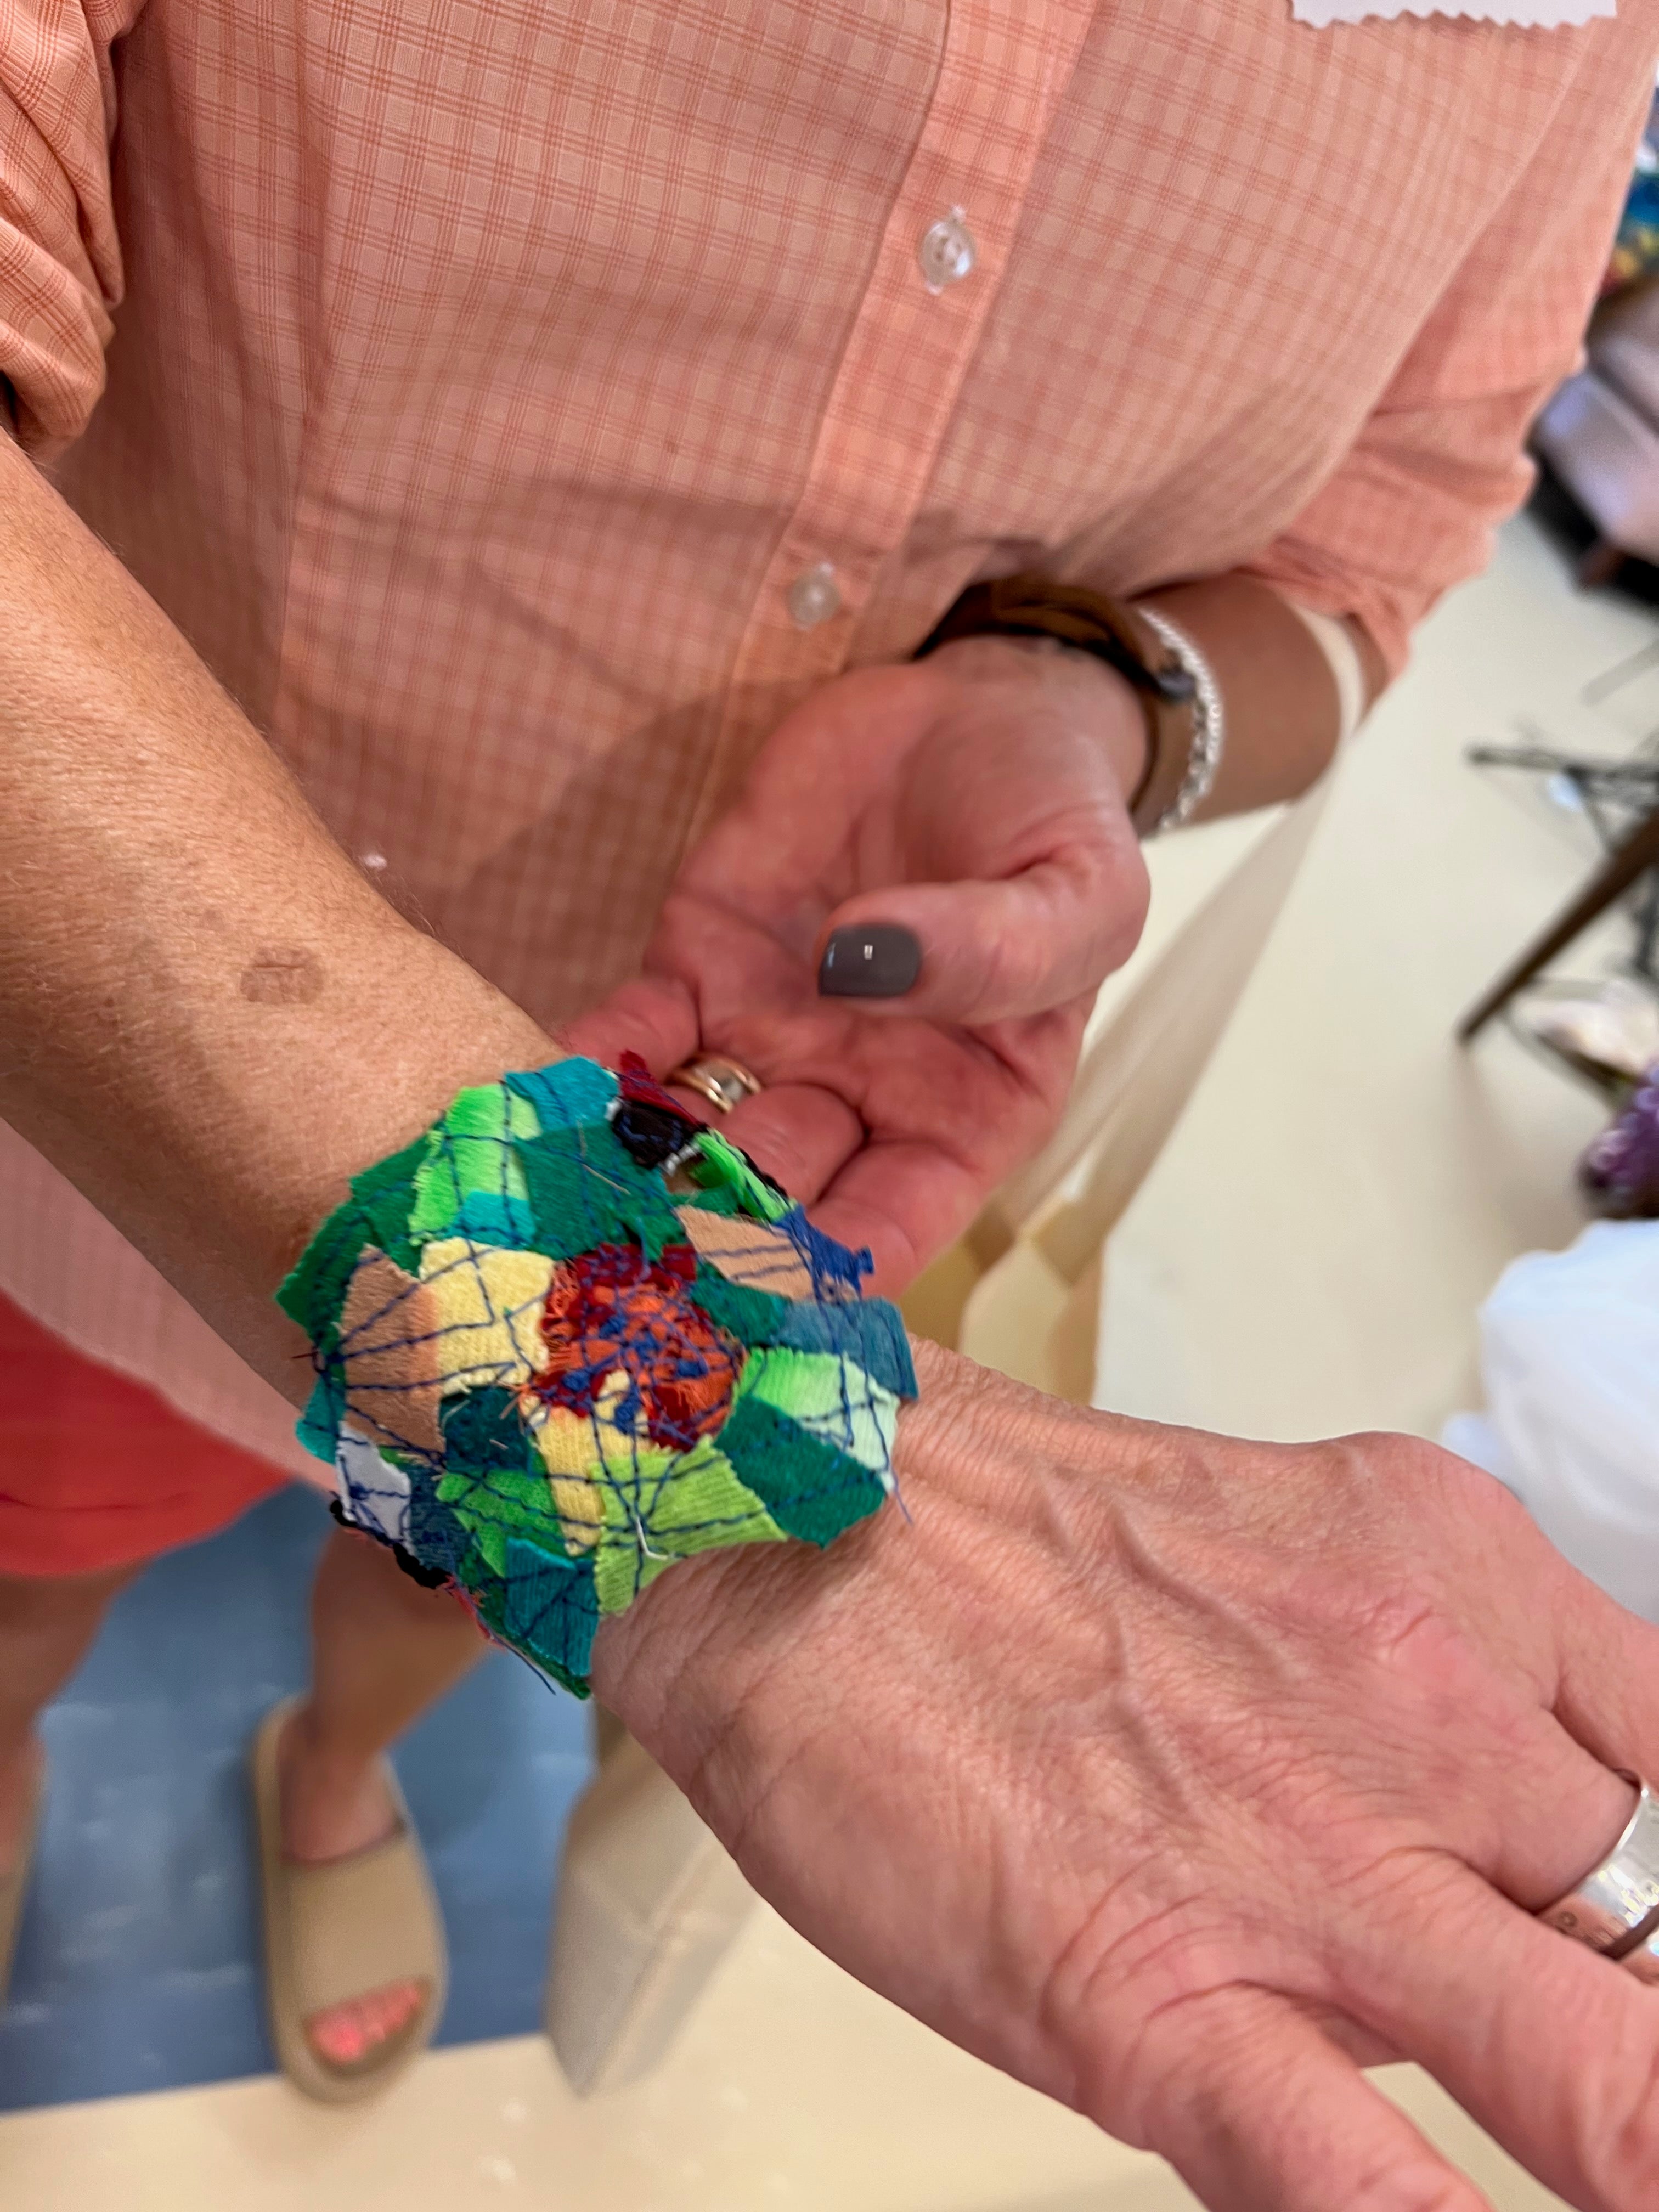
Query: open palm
<point>977,801</point>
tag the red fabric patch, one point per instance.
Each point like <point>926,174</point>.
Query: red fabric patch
<point>637,1082</point>
<point>612,1309</point>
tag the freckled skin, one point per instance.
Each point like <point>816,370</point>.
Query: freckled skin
<point>281,976</point>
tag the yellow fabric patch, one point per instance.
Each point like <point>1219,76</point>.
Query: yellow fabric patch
<point>571,1456</point>
<point>565,1440</point>
<point>580,1508</point>
<point>487,1303</point>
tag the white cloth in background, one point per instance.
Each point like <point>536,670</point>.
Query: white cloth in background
<point>1569,1354</point>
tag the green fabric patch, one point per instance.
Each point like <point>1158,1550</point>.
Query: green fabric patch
<point>375,1213</point>
<point>472,1150</point>
<point>831,1398</point>
<point>385,1194</point>
<point>492,1508</point>
<point>752,1317</point>
<point>660,1507</point>
<point>584,1190</point>
<point>719,1198</point>
<point>488,1480</point>
<point>719,1166</point>
<point>811,1490</point>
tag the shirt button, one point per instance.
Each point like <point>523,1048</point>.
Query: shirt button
<point>814,596</point>
<point>946,251</point>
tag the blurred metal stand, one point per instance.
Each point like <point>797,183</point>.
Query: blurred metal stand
<point>1620,801</point>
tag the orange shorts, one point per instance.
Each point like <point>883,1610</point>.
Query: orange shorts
<point>96,1471</point>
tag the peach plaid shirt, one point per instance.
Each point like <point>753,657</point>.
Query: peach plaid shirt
<point>484,372</point>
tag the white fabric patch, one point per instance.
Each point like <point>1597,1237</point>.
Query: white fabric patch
<point>374,1492</point>
<point>1522,15</point>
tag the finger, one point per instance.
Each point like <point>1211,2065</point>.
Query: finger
<point>1554,2048</point>
<point>654,1016</point>
<point>1602,1728</point>
<point>1535,1860</point>
<point>901,1202</point>
<point>1608,1694</point>
<point>800,1135</point>
<point>1260,2112</point>
<point>989,952</point>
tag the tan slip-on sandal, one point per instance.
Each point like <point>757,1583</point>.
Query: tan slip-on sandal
<point>14,1887</point>
<point>338,1931</point>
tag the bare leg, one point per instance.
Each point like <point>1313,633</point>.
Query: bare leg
<point>383,1649</point>
<point>46,1623</point>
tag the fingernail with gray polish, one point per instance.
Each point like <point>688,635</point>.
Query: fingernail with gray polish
<point>879,961</point>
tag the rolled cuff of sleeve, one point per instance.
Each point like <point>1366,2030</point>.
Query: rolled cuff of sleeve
<point>60,261</point>
<point>1411,511</point>
<point>52,335</point>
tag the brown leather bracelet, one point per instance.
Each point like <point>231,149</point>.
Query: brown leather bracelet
<point>1035,606</point>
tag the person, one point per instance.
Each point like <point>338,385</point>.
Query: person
<point>553,431</point>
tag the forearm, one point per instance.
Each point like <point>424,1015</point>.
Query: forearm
<point>207,1018</point>
<point>1281,696</point>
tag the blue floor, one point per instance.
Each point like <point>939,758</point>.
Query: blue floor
<point>137,1965</point>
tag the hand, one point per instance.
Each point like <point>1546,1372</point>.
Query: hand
<point>1174,1775</point>
<point>977,801</point>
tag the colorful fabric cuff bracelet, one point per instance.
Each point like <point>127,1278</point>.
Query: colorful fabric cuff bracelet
<point>568,1337</point>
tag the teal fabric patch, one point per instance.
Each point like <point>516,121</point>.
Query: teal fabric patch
<point>318,1426</point>
<point>488,1218</point>
<point>867,1330</point>
<point>551,1611</point>
<point>483,1431</point>
<point>567,1094</point>
<point>717,1199</point>
<point>752,1317</point>
<point>810,1490</point>
<point>437,1538</point>
<point>583,1190</point>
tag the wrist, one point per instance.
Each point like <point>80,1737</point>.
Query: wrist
<point>570,1338</point>
<point>710,1663</point>
<point>1076,683</point>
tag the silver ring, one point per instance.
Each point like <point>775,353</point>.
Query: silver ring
<point>1643,1960</point>
<point>1618,1897</point>
<point>724,1083</point>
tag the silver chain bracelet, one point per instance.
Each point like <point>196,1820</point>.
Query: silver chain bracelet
<point>1209,723</point>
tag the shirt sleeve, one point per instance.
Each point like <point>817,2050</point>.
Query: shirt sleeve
<point>1440,461</point>
<point>60,259</point>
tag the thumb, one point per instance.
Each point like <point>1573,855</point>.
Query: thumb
<point>980,952</point>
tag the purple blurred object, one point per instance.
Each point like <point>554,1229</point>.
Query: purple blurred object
<point>1619,1173</point>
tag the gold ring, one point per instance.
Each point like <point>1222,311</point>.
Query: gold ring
<point>724,1083</point>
